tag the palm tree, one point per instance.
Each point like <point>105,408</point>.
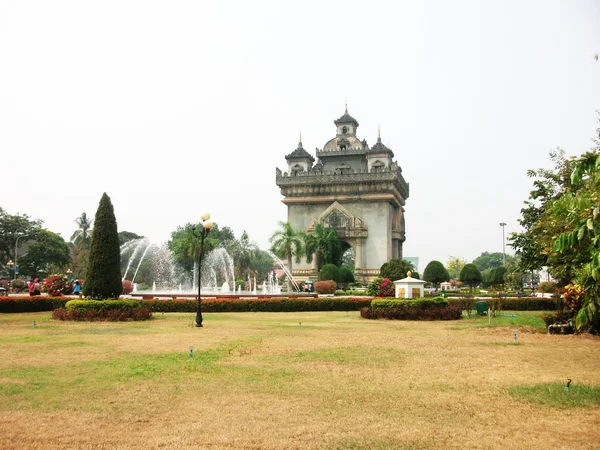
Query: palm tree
<point>324,244</point>
<point>83,234</point>
<point>287,243</point>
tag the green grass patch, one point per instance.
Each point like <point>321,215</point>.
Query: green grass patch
<point>530,319</point>
<point>555,394</point>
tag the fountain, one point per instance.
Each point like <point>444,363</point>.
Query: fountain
<point>157,272</point>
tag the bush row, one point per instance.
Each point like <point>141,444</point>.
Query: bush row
<point>423,303</point>
<point>107,315</point>
<point>406,312</point>
<point>43,303</point>
<point>509,304</point>
<point>259,305</point>
<point>31,304</point>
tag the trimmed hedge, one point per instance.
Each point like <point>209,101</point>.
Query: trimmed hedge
<point>423,303</point>
<point>103,310</point>
<point>282,304</point>
<point>509,304</point>
<point>31,304</point>
<point>405,312</point>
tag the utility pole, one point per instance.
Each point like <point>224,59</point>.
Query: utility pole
<point>502,224</point>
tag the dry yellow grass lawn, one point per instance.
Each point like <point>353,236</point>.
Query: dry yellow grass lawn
<point>262,380</point>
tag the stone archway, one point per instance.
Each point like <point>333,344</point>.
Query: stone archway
<point>350,229</point>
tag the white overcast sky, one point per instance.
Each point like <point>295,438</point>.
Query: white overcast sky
<point>177,107</point>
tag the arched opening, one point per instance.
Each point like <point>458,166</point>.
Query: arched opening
<point>347,257</point>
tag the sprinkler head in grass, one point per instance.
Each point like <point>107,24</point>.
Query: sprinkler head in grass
<point>568,386</point>
<point>515,335</point>
<point>34,324</point>
<point>191,352</point>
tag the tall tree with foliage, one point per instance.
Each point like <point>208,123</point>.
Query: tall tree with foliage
<point>103,278</point>
<point>13,226</point>
<point>324,245</point>
<point>185,245</point>
<point>454,265</point>
<point>435,273</point>
<point>535,244</point>
<point>83,235</point>
<point>47,253</point>
<point>396,269</point>
<point>580,208</point>
<point>488,260</point>
<point>287,243</point>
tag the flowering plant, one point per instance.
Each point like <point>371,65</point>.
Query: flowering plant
<point>381,287</point>
<point>57,285</point>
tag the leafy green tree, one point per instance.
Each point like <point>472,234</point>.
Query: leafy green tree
<point>470,275</point>
<point>579,207</point>
<point>47,253</point>
<point>103,278</point>
<point>396,269</point>
<point>534,245</point>
<point>287,243</point>
<point>330,272</point>
<point>435,273</point>
<point>488,260</point>
<point>454,266</point>
<point>185,245</point>
<point>11,227</point>
<point>261,263</point>
<point>323,244</point>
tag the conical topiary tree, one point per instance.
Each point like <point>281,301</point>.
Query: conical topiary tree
<point>103,278</point>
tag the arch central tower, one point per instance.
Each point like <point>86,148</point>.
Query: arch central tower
<point>356,189</point>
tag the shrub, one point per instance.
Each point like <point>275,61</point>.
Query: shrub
<point>127,287</point>
<point>346,276</point>
<point>31,304</point>
<point>57,285</point>
<point>102,310</point>
<point>325,287</point>
<point>424,303</point>
<point>406,312</point>
<point>330,272</point>
<point>573,297</point>
<point>547,287</point>
<point>381,287</point>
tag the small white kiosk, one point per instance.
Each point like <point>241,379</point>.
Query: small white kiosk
<point>409,287</point>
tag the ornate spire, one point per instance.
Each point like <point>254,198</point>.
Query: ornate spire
<point>300,142</point>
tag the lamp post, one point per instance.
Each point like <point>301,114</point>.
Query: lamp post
<point>16,250</point>
<point>203,229</point>
<point>69,272</point>
<point>502,224</point>
<point>10,265</point>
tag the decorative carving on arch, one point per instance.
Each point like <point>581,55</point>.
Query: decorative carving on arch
<point>339,218</point>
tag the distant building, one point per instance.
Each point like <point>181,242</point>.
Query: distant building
<point>356,189</point>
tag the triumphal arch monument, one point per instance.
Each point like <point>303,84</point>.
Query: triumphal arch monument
<point>356,189</point>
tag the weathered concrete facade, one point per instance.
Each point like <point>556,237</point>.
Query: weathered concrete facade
<point>355,189</point>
